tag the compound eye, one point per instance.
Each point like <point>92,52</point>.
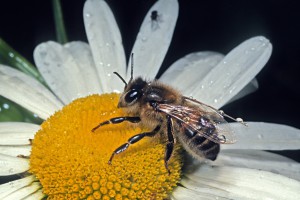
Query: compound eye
<point>133,95</point>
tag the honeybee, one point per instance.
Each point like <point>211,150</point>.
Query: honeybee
<point>200,128</point>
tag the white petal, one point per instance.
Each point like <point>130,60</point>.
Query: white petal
<point>234,72</point>
<point>16,150</point>
<point>82,54</point>
<point>261,160</point>
<point>17,133</point>
<point>37,195</point>
<point>61,71</point>
<point>153,39</point>
<point>12,165</point>
<point>186,72</point>
<point>27,92</point>
<point>242,183</point>
<point>248,89</point>
<point>106,44</point>
<point>24,192</point>
<point>190,193</point>
<point>10,187</point>
<point>265,136</point>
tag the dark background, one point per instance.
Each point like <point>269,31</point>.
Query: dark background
<point>202,25</point>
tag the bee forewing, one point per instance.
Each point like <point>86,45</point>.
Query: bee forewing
<point>225,133</point>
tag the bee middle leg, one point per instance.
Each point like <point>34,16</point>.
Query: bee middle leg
<point>170,144</point>
<point>133,140</point>
<point>117,120</point>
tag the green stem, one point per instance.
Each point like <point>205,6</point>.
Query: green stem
<point>59,22</point>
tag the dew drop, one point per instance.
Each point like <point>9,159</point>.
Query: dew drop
<point>216,100</point>
<point>107,44</point>
<point>88,15</point>
<point>253,49</point>
<point>224,62</point>
<point>108,65</point>
<point>5,106</point>
<point>144,39</point>
<point>260,136</point>
<point>261,176</point>
<point>101,63</point>
<point>10,54</point>
<point>43,53</point>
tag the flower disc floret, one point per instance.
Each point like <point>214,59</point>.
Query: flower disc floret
<point>71,161</point>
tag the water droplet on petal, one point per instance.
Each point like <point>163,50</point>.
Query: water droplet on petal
<point>260,136</point>
<point>216,100</point>
<point>261,176</point>
<point>88,15</point>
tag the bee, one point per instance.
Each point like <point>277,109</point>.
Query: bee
<point>200,128</point>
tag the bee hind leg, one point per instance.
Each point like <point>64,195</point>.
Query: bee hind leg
<point>117,120</point>
<point>133,140</point>
<point>170,144</point>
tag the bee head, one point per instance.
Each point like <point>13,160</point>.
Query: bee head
<point>133,92</point>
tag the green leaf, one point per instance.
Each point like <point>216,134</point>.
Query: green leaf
<point>8,56</point>
<point>9,111</point>
<point>59,22</point>
<point>12,112</point>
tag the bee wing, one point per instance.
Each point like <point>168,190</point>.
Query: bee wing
<point>202,119</point>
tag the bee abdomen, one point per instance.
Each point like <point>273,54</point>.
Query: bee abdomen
<point>202,146</point>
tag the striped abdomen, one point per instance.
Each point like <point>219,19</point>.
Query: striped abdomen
<point>198,145</point>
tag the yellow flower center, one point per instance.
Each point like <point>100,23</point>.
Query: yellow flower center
<point>71,161</point>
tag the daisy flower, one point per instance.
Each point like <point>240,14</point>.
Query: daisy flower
<point>63,159</point>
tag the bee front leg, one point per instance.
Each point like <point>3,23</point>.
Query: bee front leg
<point>171,141</point>
<point>117,120</point>
<point>133,140</point>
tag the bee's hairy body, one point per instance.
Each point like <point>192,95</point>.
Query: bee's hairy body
<point>164,110</point>
<point>157,92</point>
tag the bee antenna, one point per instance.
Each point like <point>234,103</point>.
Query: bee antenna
<point>116,73</point>
<point>131,75</point>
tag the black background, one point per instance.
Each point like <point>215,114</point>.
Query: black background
<point>202,25</point>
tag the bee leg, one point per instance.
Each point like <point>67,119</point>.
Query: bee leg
<point>133,140</point>
<point>171,141</point>
<point>117,120</point>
